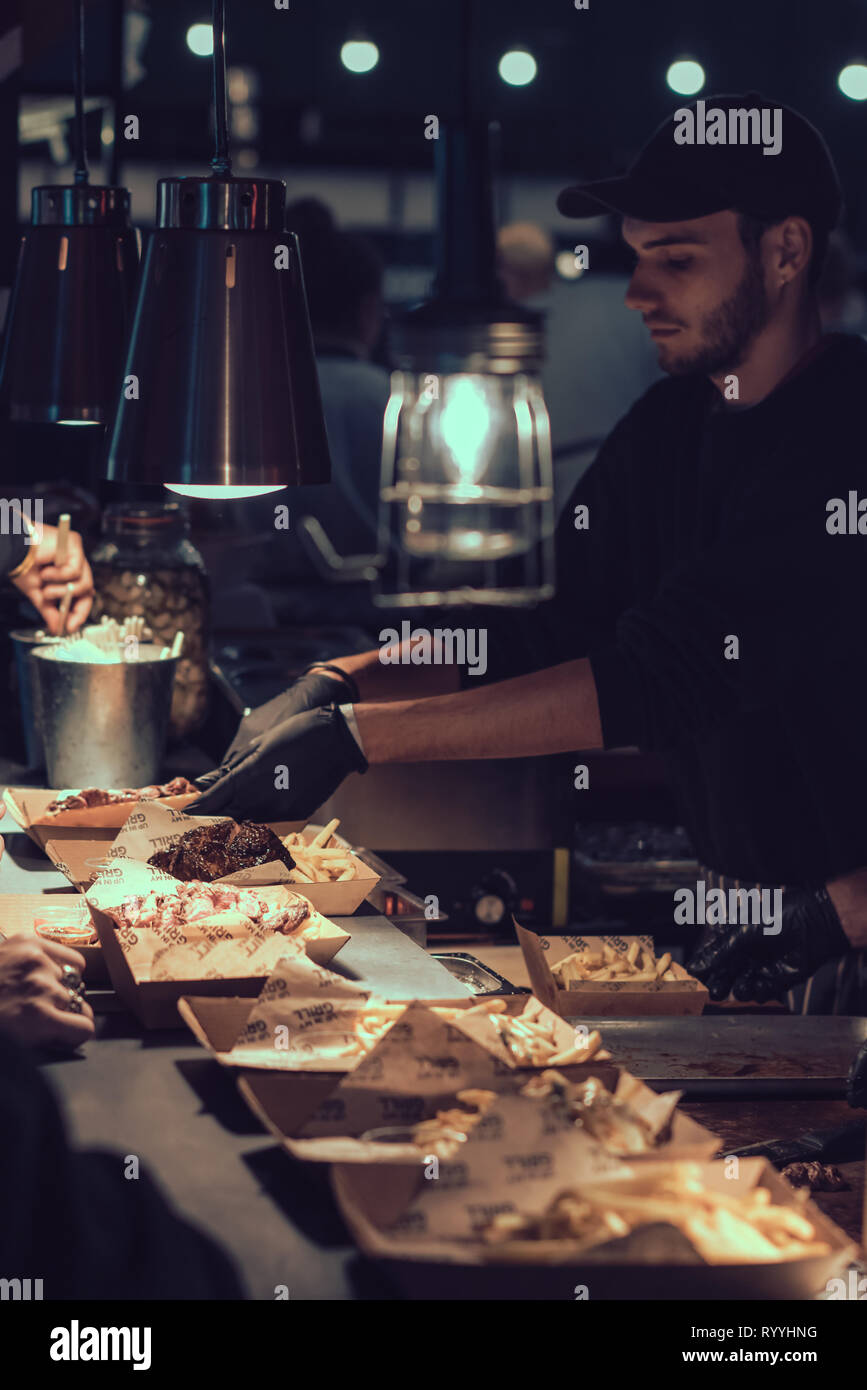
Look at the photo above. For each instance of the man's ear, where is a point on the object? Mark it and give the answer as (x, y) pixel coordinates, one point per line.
(792, 248)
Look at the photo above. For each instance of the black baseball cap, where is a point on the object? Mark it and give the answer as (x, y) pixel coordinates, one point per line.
(673, 182)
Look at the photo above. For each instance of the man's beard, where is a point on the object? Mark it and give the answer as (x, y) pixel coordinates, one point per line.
(728, 331)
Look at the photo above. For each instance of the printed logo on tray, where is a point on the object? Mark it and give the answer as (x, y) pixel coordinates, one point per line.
(453, 1176)
(410, 1223)
(255, 1029)
(482, 1213)
(316, 1014)
(126, 936)
(173, 936)
(135, 820)
(401, 1032)
(274, 985)
(436, 1066)
(324, 979)
(116, 852)
(527, 1167)
(402, 1109)
(490, 1127)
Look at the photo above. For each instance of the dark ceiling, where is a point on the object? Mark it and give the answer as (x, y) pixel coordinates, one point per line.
(599, 89)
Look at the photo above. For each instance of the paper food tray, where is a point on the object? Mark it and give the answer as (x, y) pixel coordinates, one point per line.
(606, 998)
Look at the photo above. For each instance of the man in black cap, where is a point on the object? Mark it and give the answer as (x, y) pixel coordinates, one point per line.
(707, 566)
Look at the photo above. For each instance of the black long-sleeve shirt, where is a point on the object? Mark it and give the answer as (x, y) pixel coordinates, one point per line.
(708, 523)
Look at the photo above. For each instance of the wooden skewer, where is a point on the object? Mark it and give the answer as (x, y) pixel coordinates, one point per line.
(65, 606)
(62, 546)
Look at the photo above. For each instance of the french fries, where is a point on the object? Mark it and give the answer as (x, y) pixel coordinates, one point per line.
(443, 1135)
(528, 1037)
(635, 966)
(319, 861)
(723, 1229)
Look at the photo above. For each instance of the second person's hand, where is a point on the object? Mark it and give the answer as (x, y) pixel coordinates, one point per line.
(286, 773)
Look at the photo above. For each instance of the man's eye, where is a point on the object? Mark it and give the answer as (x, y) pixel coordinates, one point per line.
(684, 264)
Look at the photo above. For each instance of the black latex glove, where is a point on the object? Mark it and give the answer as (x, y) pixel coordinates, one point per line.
(741, 960)
(318, 751)
(311, 690)
(856, 1085)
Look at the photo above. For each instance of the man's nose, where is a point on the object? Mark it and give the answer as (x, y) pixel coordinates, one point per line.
(640, 294)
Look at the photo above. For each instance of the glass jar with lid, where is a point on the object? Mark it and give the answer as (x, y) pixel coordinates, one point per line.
(145, 564)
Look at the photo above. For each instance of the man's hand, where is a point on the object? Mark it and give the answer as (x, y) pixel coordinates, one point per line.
(285, 773)
(34, 997)
(749, 963)
(45, 583)
(314, 688)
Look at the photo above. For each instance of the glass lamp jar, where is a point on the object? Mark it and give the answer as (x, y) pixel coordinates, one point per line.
(145, 565)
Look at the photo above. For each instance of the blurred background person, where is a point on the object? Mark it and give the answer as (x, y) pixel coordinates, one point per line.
(842, 305)
(343, 277)
(598, 357)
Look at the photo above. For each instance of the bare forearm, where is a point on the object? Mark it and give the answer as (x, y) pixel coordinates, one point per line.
(397, 681)
(552, 711)
(849, 896)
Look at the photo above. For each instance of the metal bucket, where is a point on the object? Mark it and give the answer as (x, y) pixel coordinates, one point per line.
(24, 641)
(103, 725)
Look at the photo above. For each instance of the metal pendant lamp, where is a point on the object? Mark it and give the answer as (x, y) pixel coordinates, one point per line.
(70, 306)
(220, 394)
(467, 488)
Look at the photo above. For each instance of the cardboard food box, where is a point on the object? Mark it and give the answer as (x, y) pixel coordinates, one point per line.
(27, 806)
(606, 998)
(21, 912)
(151, 967)
(151, 826)
(415, 1069)
(427, 1231)
(306, 1017)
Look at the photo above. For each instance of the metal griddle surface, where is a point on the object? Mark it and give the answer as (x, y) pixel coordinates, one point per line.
(726, 1056)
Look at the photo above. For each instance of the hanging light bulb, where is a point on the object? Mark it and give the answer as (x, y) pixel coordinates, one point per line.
(467, 473)
(467, 496)
(220, 394)
(70, 306)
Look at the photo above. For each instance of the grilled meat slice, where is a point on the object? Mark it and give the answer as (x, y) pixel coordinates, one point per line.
(256, 844)
(208, 852)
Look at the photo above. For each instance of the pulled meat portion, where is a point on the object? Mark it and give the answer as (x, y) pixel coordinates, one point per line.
(98, 796)
(196, 902)
(215, 851)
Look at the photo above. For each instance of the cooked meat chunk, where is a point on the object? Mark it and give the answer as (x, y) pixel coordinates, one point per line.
(208, 852)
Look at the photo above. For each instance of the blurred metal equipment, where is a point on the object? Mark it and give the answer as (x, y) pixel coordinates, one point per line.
(220, 395)
(70, 306)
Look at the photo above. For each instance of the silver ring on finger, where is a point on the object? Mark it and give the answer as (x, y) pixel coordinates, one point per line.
(72, 978)
(74, 1004)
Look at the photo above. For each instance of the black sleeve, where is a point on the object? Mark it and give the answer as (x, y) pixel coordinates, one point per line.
(12, 551)
(773, 578)
(75, 1221)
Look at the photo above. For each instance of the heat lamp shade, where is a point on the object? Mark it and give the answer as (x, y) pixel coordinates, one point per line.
(70, 309)
(220, 386)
